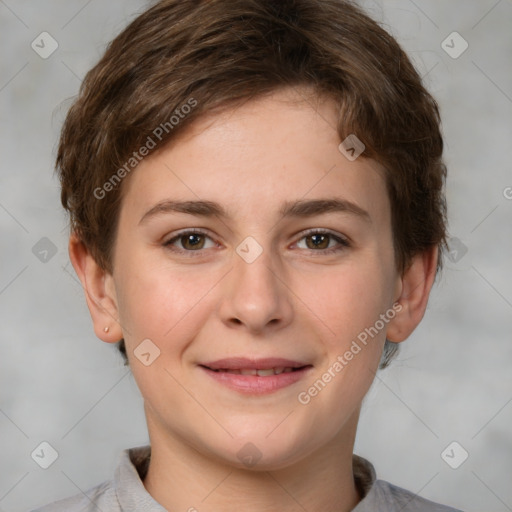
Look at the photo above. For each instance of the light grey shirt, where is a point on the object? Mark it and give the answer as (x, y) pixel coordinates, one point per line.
(126, 492)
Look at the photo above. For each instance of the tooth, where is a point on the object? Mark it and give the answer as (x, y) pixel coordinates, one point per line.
(262, 373)
(265, 373)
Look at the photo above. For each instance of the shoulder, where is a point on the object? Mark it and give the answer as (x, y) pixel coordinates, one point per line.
(381, 496)
(102, 497)
(124, 492)
(386, 497)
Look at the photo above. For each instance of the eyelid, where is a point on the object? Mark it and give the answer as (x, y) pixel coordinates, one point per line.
(186, 231)
(168, 243)
(342, 240)
(326, 231)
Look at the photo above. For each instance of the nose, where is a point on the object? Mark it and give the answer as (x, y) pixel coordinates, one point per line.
(255, 296)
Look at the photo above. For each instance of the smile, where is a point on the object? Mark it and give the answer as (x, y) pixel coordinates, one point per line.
(256, 377)
(259, 372)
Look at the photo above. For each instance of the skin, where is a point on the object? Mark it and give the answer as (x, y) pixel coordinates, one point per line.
(295, 301)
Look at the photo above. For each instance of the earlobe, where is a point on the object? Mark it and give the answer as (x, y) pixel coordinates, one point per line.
(99, 291)
(416, 283)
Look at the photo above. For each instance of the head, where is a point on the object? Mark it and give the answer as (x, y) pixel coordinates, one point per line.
(244, 108)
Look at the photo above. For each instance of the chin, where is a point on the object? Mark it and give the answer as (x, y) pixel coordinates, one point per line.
(260, 453)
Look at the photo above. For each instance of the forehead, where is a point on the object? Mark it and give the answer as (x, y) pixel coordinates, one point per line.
(271, 150)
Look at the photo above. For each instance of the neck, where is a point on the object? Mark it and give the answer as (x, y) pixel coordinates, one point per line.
(179, 477)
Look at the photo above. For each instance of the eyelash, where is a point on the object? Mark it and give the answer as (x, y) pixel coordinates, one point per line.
(343, 243)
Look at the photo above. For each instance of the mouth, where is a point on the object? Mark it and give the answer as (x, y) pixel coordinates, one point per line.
(259, 376)
(262, 367)
(261, 372)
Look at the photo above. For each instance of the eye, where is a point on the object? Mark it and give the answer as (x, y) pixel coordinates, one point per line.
(190, 241)
(323, 241)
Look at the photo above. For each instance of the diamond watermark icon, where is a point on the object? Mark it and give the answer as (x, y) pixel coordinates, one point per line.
(146, 352)
(454, 455)
(44, 45)
(249, 455)
(351, 147)
(249, 249)
(456, 250)
(454, 45)
(44, 250)
(45, 455)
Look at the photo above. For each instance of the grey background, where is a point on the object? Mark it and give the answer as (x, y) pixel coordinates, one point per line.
(452, 380)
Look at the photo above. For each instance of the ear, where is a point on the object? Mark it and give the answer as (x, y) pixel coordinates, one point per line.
(416, 283)
(99, 291)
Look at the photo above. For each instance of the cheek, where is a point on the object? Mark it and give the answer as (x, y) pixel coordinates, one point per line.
(346, 299)
(157, 301)
(346, 305)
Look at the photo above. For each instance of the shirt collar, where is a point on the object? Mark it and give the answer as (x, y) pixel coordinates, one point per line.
(134, 462)
(130, 491)
(364, 475)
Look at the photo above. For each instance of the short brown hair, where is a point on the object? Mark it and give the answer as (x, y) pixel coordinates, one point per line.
(221, 53)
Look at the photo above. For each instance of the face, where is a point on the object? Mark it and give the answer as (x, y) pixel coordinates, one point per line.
(252, 254)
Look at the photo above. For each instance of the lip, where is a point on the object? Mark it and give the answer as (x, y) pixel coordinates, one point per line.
(255, 384)
(239, 363)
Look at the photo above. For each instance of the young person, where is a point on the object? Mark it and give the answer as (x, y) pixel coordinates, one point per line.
(256, 199)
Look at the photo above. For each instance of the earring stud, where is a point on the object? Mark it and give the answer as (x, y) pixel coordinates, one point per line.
(106, 329)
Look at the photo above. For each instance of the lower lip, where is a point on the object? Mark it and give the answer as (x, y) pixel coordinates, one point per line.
(254, 384)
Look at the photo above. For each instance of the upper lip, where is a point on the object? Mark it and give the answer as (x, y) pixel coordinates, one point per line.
(242, 363)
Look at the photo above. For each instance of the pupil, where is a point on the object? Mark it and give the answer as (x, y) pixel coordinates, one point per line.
(192, 241)
(319, 240)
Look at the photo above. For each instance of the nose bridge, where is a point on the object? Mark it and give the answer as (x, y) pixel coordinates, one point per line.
(256, 296)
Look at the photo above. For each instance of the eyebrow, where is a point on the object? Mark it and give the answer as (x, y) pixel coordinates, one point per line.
(299, 208)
